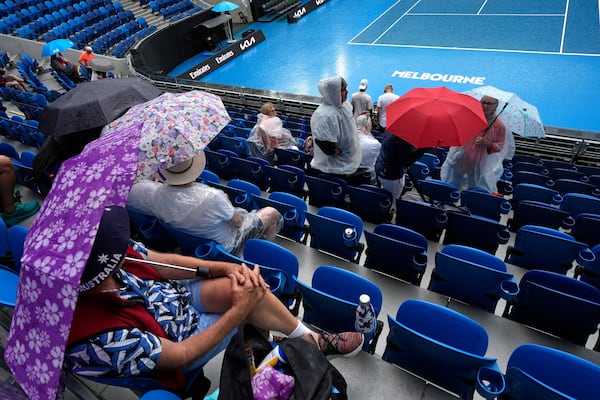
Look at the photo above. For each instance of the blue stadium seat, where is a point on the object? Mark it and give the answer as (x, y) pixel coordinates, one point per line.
(471, 230)
(252, 169)
(325, 190)
(330, 302)
(530, 191)
(421, 217)
(444, 347)
(336, 231)
(557, 304)
(396, 251)
(269, 254)
(293, 210)
(370, 202)
(529, 212)
(539, 372)
(587, 229)
(484, 204)
(548, 249)
(286, 178)
(578, 203)
(437, 190)
(472, 276)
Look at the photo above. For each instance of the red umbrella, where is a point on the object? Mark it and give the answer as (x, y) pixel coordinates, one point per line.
(435, 117)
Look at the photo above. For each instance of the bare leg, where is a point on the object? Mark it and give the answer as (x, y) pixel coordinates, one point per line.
(269, 313)
(7, 185)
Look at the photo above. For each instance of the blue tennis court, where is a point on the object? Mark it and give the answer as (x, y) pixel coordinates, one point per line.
(546, 51)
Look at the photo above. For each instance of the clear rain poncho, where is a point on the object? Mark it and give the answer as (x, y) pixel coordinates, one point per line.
(473, 166)
(332, 122)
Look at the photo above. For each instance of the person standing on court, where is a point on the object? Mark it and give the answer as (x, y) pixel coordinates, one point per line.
(478, 163)
(361, 101)
(383, 101)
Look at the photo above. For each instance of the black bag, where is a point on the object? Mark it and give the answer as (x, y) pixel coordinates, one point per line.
(314, 374)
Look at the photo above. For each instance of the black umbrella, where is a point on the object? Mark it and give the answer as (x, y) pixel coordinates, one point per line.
(94, 104)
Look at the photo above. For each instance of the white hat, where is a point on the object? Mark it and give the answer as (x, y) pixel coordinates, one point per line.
(184, 172)
(87, 48)
(363, 84)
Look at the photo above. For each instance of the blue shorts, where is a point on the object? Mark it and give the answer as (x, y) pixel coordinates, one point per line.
(205, 319)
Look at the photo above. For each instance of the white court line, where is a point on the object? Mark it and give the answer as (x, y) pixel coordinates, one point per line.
(377, 19)
(482, 6)
(487, 15)
(562, 36)
(398, 20)
(477, 49)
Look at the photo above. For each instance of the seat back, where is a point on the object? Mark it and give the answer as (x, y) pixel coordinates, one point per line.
(578, 203)
(208, 176)
(557, 304)
(16, 241)
(10, 283)
(444, 347)
(472, 276)
(219, 163)
(421, 217)
(397, 251)
(336, 231)
(538, 247)
(529, 212)
(188, 241)
(238, 195)
(475, 231)
(539, 372)
(587, 229)
(484, 204)
(148, 226)
(530, 167)
(564, 186)
(297, 158)
(251, 170)
(326, 190)
(530, 191)
(532, 177)
(371, 203)
(269, 254)
(437, 190)
(286, 178)
(330, 302)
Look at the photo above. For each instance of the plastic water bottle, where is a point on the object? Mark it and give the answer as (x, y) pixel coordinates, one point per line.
(275, 359)
(365, 315)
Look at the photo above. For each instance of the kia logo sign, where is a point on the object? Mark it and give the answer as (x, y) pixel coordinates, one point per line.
(247, 43)
(300, 12)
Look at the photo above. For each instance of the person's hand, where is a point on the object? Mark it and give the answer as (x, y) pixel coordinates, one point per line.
(247, 295)
(482, 140)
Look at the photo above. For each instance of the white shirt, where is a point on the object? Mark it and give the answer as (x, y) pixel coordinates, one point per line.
(382, 102)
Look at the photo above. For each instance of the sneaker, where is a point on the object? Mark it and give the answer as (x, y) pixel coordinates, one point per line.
(22, 211)
(345, 344)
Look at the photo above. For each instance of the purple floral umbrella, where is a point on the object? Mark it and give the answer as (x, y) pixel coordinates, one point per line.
(60, 239)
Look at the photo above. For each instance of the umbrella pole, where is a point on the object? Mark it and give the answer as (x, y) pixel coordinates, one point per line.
(200, 272)
(415, 183)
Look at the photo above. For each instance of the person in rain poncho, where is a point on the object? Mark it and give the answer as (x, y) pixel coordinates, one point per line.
(337, 149)
(269, 133)
(369, 146)
(192, 206)
(478, 163)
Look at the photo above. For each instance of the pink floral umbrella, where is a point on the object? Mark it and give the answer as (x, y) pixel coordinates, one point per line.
(60, 239)
(187, 122)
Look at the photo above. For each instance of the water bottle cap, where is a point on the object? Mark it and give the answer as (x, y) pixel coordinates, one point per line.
(364, 298)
